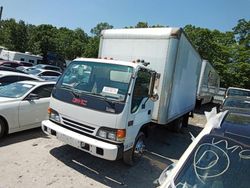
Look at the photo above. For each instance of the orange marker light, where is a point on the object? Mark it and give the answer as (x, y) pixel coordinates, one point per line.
(49, 110)
(121, 134)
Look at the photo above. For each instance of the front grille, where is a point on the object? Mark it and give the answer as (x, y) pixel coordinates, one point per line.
(79, 127)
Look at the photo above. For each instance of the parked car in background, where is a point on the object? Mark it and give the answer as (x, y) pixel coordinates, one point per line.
(26, 64)
(4, 68)
(46, 67)
(8, 77)
(45, 74)
(11, 64)
(236, 104)
(234, 91)
(217, 157)
(23, 105)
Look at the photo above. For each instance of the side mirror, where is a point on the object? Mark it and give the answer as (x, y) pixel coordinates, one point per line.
(152, 95)
(165, 173)
(32, 97)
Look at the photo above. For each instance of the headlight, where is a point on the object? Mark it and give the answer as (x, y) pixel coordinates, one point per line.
(53, 115)
(112, 134)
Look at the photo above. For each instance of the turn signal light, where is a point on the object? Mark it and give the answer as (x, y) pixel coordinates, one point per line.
(121, 134)
(49, 110)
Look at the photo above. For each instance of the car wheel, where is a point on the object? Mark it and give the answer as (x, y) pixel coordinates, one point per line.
(2, 128)
(134, 155)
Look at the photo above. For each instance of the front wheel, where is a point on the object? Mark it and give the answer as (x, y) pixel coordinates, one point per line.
(133, 156)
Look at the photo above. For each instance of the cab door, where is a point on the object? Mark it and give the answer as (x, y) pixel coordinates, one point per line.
(140, 107)
(34, 110)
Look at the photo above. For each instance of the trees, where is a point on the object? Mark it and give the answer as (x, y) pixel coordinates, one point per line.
(13, 35)
(96, 31)
(228, 52)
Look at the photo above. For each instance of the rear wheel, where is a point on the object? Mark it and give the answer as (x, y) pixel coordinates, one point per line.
(185, 120)
(177, 124)
(2, 128)
(133, 156)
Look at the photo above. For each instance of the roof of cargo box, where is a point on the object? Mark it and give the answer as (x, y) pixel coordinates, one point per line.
(160, 33)
(110, 61)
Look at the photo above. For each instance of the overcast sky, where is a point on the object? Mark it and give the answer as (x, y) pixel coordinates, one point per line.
(86, 14)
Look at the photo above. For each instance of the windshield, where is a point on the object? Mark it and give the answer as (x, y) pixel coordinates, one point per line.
(15, 90)
(105, 80)
(237, 103)
(34, 71)
(238, 92)
(216, 162)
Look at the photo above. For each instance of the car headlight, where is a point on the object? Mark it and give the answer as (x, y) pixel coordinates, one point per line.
(53, 115)
(112, 134)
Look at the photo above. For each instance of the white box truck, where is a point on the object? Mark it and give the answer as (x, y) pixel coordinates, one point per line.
(19, 56)
(209, 84)
(104, 106)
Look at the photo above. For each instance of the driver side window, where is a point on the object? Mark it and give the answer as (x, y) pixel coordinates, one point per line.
(141, 89)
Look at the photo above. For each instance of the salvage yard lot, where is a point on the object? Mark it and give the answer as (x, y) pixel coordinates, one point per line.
(33, 159)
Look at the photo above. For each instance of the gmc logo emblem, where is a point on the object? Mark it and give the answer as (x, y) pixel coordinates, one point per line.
(79, 101)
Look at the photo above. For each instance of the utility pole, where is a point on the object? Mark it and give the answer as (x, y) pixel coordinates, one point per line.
(1, 10)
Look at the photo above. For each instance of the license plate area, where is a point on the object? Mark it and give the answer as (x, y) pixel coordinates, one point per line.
(68, 140)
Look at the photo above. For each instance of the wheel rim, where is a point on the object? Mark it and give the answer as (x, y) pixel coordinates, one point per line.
(139, 148)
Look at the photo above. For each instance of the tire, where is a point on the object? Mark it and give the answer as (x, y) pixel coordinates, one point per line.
(212, 100)
(177, 125)
(185, 120)
(198, 104)
(133, 156)
(2, 128)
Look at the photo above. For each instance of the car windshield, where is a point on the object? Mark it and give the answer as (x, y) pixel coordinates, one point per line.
(216, 162)
(105, 80)
(34, 71)
(15, 90)
(236, 103)
(39, 66)
(238, 92)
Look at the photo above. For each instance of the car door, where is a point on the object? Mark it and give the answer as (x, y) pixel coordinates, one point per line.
(141, 106)
(32, 112)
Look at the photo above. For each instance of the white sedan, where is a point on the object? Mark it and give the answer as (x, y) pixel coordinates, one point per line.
(45, 74)
(23, 105)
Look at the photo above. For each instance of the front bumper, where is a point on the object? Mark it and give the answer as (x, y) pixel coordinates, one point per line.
(93, 146)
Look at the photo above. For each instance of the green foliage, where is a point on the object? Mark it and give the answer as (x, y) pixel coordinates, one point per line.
(144, 25)
(228, 52)
(96, 31)
(13, 35)
(92, 47)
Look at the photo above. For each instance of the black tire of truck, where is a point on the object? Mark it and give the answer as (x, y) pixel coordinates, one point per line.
(133, 156)
(177, 125)
(198, 104)
(2, 128)
(185, 120)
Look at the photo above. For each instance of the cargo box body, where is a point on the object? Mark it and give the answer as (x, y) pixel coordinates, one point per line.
(209, 83)
(170, 53)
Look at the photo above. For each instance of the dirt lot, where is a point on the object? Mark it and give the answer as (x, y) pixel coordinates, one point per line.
(33, 159)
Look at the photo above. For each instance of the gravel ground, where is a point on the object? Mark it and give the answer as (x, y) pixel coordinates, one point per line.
(33, 159)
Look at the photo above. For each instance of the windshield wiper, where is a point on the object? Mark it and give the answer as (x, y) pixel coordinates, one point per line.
(110, 102)
(69, 87)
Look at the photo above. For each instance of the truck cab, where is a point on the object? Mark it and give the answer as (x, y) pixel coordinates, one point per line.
(102, 107)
